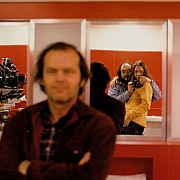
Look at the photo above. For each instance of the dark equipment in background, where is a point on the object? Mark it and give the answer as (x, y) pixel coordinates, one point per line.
(11, 80)
(11, 87)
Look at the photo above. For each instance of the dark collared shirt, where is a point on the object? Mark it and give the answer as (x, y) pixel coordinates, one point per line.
(50, 134)
(88, 130)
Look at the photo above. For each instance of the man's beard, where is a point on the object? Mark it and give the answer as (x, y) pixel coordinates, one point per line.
(125, 81)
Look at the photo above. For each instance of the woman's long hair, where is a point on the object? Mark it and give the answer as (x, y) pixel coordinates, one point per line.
(144, 66)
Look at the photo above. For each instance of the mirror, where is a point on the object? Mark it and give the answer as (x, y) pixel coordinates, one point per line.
(114, 42)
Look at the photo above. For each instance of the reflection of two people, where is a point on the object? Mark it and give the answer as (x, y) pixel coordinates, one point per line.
(137, 98)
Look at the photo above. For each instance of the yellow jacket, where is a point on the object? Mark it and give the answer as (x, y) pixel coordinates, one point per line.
(139, 104)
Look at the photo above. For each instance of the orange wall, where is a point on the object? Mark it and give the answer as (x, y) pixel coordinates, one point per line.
(100, 10)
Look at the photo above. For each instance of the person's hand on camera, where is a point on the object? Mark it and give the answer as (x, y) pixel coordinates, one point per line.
(144, 79)
(130, 87)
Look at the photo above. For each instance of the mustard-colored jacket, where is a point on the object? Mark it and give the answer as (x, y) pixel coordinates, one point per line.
(139, 104)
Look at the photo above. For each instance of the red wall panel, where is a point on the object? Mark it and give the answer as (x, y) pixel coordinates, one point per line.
(131, 166)
(143, 10)
(19, 55)
(106, 57)
(152, 59)
(150, 158)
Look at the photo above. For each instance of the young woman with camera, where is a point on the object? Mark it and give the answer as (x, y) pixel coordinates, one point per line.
(139, 103)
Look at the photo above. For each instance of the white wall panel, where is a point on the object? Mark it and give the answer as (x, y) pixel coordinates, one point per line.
(51, 31)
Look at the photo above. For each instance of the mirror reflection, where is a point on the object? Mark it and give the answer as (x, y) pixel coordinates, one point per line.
(115, 42)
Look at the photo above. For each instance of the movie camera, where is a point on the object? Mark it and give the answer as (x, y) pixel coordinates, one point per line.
(11, 80)
(137, 84)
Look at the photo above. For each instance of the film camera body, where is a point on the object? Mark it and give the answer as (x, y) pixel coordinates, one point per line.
(137, 84)
(11, 80)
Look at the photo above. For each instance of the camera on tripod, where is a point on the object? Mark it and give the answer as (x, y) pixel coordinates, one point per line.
(11, 80)
(10, 76)
(137, 84)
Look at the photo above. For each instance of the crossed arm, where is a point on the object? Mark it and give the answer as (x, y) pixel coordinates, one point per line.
(20, 162)
(23, 166)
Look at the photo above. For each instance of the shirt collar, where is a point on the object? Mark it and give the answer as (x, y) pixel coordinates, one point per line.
(45, 113)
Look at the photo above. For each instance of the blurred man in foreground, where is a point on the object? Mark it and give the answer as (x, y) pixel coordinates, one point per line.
(60, 138)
